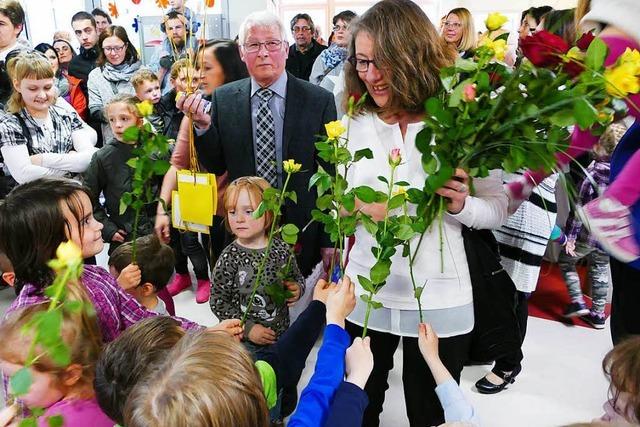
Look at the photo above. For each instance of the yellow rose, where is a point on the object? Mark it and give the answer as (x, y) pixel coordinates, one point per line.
(334, 129)
(68, 253)
(631, 57)
(495, 21)
(499, 47)
(145, 108)
(290, 166)
(622, 80)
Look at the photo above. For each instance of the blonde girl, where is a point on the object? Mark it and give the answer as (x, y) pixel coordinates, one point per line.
(39, 137)
(61, 390)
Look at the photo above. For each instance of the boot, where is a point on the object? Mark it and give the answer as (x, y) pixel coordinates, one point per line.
(204, 291)
(179, 283)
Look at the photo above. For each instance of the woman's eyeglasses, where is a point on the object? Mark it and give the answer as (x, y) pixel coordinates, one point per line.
(361, 65)
(455, 25)
(337, 28)
(113, 49)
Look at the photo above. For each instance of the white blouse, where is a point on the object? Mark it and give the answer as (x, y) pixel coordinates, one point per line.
(447, 283)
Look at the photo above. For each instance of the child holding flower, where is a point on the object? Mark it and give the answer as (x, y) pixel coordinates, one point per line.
(235, 272)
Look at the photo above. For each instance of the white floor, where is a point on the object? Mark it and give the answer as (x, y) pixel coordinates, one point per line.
(561, 381)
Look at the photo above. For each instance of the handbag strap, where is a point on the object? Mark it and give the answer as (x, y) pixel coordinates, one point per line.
(25, 132)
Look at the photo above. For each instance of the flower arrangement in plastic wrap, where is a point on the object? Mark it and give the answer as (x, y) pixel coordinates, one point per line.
(492, 116)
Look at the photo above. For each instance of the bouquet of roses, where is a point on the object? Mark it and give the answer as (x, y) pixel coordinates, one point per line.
(488, 115)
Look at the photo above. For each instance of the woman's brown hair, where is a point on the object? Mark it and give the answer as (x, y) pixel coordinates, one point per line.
(131, 54)
(407, 48)
(209, 379)
(622, 367)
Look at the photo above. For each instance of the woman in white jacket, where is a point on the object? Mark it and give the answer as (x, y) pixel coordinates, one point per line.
(396, 56)
(39, 137)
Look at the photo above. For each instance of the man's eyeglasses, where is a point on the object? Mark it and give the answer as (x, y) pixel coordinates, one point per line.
(113, 49)
(361, 65)
(337, 28)
(297, 29)
(271, 46)
(455, 25)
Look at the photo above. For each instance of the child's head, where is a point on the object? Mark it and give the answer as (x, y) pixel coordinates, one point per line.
(122, 113)
(128, 359)
(52, 381)
(609, 140)
(622, 367)
(193, 387)
(181, 72)
(155, 260)
(147, 86)
(241, 198)
(33, 86)
(39, 215)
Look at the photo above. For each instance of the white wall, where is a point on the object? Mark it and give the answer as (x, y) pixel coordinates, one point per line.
(239, 9)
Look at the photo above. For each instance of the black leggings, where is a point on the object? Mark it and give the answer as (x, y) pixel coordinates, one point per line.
(423, 406)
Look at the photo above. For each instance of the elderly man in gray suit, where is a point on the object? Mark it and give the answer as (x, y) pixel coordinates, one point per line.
(257, 122)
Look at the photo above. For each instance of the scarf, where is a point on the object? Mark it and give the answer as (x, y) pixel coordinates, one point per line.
(333, 56)
(119, 73)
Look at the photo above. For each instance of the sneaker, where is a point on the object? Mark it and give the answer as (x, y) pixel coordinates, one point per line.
(576, 309)
(204, 291)
(595, 320)
(179, 283)
(609, 222)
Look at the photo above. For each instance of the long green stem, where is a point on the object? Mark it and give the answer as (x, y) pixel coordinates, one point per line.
(134, 236)
(366, 316)
(413, 282)
(267, 251)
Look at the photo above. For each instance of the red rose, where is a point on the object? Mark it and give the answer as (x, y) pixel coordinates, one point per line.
(356, 97)
(585, 40)
(573, 68)
(543, 49)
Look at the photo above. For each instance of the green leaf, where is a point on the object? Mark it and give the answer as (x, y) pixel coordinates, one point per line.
(289, 233)
(483, 80)
(405, 232)
(563, 118)
(29, 422)
(402, 184)
(415, 196)
(61, 354)
(324, 202)
(291, 195)
(365, 297)
(456, 96)
(436, 181)
(50, 323)
(436, 109)
(369, 224)
(383, 179)
(396, 201)
(596, 54)
(380, 271)
(365, 194)
(423, 140)
(364, 153)
(20, 382)
(321, 180)
(270, 194)
(132, 162)
(131, 134)
(418, 292)
(430, 164)
(365, 283)
(586, 115)
(73, 306)
(376, 305)
(349, 201)
(55, 421)
(160, 167)
(466, 65)
(261, 209)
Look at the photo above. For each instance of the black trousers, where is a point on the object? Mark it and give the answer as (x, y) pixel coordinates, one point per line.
(625, 315)
(511, 361)
(423, 406)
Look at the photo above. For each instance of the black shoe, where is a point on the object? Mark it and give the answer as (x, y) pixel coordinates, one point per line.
(576, 309)
(485, 386)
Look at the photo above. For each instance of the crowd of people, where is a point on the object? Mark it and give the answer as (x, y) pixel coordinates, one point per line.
(245, 106)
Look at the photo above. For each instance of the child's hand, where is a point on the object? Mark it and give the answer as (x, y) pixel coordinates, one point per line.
(119, 236)
(129, 277)
(262, 335)
(427, 342)
(570, 247)
(294, 288)
(341, 302)
(321, 290)
(359, 362)
(8, 415)
(231, 326)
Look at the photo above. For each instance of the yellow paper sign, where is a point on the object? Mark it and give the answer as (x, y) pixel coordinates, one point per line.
(197, 197)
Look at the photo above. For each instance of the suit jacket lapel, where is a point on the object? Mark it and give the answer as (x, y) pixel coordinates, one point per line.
(244, 127)
(294, 105)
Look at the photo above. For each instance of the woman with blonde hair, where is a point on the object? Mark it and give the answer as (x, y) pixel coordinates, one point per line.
(39, 137)
(459, 32)
(396, 56)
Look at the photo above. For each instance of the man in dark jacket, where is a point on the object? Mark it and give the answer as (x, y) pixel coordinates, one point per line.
(84, 27)
(304, 52)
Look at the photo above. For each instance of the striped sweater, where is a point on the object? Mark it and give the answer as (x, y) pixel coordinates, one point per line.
(523, 239)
